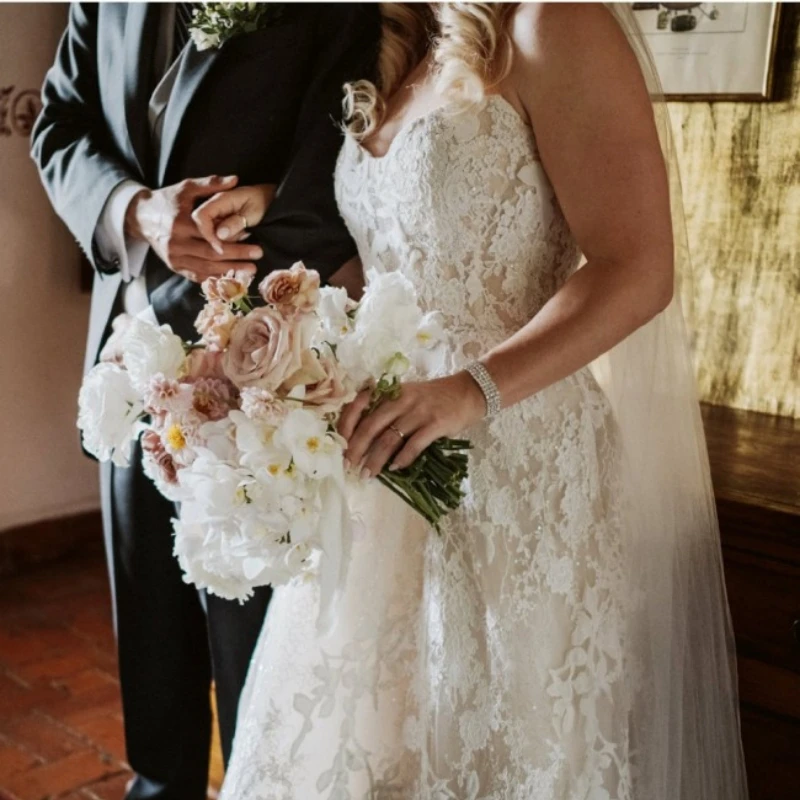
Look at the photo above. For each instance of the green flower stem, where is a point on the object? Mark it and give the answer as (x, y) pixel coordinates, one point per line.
(432, 484)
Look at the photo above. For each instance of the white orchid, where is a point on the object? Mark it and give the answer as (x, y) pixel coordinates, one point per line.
(334, 320)
(315, 451)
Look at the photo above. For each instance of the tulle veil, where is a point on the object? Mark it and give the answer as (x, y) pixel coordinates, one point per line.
(685, 724)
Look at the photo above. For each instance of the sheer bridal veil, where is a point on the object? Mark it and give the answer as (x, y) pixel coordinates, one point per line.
(685, 723)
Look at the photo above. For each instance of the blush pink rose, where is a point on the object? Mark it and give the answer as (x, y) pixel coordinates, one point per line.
(265, 348)
(333, 391)
(293, 291)
(203, 363)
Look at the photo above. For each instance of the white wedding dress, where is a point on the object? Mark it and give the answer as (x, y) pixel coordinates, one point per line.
(489, 662)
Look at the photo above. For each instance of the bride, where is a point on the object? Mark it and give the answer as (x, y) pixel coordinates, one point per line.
(566, 636)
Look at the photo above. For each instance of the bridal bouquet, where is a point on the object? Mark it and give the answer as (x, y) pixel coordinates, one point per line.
(240, 426)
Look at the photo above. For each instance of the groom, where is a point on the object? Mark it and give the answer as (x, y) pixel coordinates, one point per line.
(137, 126)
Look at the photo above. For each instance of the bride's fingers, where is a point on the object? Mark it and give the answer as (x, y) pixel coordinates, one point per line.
(387, 444)
(206, 217)
(413, 447)
(369, 428)
(231, 227)
(352, 414)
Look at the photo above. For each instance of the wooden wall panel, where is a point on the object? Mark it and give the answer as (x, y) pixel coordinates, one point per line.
(740, 165)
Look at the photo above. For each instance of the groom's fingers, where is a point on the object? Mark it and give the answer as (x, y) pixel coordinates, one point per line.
(193, 188)
(229, 251)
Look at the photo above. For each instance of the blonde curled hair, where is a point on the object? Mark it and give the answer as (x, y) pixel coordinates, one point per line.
(471, 51)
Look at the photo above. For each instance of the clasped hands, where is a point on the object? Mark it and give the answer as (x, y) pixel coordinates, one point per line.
(198, 227)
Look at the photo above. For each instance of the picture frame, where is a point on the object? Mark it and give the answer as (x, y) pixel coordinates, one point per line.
(713, 51)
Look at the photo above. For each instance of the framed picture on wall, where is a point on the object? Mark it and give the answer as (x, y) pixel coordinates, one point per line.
(712, 51)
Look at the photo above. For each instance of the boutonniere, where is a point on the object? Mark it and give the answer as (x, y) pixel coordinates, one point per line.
(214, 23)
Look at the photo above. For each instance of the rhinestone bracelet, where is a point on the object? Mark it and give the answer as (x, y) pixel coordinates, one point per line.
(487, 385)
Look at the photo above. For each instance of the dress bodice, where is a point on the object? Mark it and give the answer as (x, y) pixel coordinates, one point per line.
(461, 204)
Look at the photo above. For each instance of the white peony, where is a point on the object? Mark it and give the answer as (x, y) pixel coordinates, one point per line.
(387, 323)
(150, 350)
(219, 490)
(109, 408)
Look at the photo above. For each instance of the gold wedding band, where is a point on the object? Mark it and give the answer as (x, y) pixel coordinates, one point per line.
(400, 433)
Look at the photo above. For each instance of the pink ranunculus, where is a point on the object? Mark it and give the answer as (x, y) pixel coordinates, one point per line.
(155, 451)
(215, 323)
(227, 288)
(293, 291)
(213, 397)
(334, 391)
(166, 394)
(264, 350)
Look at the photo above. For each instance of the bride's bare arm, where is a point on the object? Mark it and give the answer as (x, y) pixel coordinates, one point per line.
(581, 87)
(578, 82)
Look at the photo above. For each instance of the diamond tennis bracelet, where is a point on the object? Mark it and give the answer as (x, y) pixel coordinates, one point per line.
(487, 385)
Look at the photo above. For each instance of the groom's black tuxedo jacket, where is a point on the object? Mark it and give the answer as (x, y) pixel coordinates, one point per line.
(263, 107)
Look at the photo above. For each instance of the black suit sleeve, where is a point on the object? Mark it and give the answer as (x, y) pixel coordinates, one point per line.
(70, 141)
(303, 221)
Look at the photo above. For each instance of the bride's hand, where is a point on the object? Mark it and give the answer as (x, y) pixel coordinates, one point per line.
(226, 216)
(423, 413)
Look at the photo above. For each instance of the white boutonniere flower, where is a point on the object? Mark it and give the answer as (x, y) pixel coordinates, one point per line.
(214, 23)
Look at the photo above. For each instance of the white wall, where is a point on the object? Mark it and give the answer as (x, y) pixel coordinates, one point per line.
(43, 315)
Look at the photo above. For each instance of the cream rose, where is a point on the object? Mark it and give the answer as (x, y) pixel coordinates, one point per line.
(227, 288)
(294, 290)
(264, 350)
(215, 324)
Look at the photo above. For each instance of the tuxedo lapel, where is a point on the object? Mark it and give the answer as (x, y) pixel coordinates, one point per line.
(193, 67)
(141, 31)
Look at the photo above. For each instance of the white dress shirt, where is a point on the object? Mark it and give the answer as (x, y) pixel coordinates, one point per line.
(110, 238)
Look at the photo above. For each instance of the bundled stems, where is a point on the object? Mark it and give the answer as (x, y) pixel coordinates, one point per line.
(432, 484)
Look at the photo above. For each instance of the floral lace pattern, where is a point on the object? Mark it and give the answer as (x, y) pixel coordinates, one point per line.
(488, 663)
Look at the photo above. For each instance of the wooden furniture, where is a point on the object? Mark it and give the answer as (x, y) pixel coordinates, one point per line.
(755, 466)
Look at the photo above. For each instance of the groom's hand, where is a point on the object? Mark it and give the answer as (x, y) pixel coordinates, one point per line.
(163, 219)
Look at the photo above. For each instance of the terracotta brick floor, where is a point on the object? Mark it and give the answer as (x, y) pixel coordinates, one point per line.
(60, 716)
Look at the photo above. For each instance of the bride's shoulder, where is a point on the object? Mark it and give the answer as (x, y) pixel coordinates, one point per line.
(538, 28)
(578, 45)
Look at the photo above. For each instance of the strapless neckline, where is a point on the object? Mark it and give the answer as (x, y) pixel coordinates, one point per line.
(431, 116)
